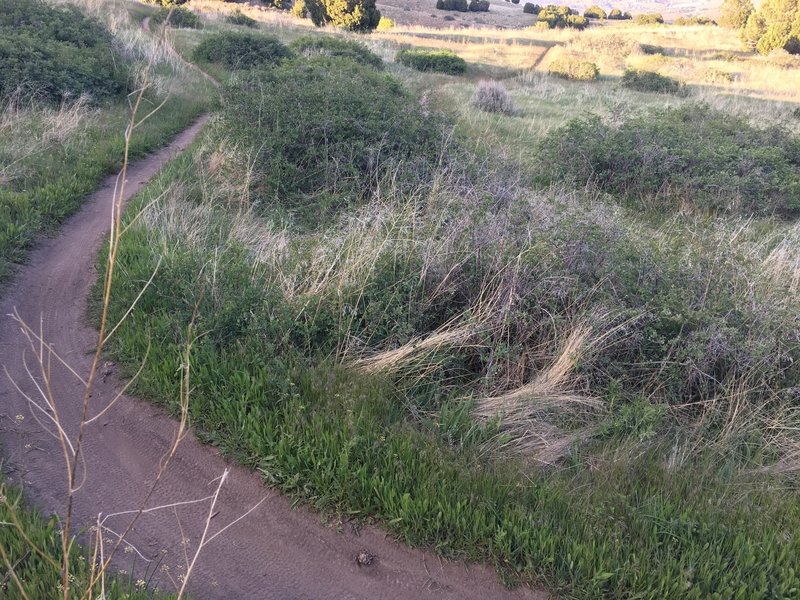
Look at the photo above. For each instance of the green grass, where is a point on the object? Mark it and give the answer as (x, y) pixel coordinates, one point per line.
(54, 181)
(40, 579)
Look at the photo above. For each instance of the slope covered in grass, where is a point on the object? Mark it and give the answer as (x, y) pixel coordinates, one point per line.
(590, 394)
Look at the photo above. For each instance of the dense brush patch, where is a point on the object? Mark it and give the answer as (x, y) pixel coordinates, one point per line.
(323, 131)
(56, 52)
(689, 157)
(321, 45)
(241, 50)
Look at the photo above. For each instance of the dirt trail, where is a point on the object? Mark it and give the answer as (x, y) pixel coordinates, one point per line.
(277, 552)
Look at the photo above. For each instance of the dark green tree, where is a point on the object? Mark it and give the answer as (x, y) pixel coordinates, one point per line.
(734, 13)
(355, 15)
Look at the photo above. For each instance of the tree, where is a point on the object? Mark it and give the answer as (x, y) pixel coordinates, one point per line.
(355, 15)
(595, 12)
(734, 13)
(775, 26)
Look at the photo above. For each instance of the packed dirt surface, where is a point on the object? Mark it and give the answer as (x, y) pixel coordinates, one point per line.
(275, 552)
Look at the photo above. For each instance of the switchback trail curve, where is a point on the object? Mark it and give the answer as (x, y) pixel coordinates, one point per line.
(276, 552)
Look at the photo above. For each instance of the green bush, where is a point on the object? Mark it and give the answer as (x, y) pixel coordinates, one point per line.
(319, 45)
(238, 50)
(239, 18)
(572, 68)
(692, 154)
(438, 61)
(299, 9)
(385, 24)
(56, 52)
(649, 19)
(531, 8)
(686, 21)
(559, 17)
(353, 15)
(457, 5)
(650, 81)
(595, 12)
(324, 130)
(617, 15)
(179, 18)
(479, 6)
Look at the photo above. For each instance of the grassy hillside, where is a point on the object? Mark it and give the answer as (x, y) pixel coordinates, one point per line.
(559, 335)
(526, 296)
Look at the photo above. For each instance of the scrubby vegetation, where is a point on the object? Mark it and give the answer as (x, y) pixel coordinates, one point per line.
(54, 154)
(649, 19)
(318, 45)
(566, 346)
(438, 61)
(241, 50)
(493, 97)
(572, 68)
(688, 21)
(239, 18)
(457, 5)
(677, 158)
(55, 52)
(531, 8)
(650, 81)
(177, 17)
(595, 12)
(617, 15)
(371, 127)
(559, 17)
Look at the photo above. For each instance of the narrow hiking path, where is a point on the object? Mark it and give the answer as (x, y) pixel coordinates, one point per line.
(276, 552)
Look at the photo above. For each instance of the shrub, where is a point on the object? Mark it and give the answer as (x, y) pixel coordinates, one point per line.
(686, 21)
(531, 9)
(561, 17)
(649, 19)
(299, 9)
(572, 68)
(439, 61)
(595, 12)
(712, 75)
(479, 6)
(796, 113)
(617, 15)
(650, 81)
(324, 130)
(385, 24)
(316, 45)
(514, 1)
(55, 52)
(692, 154)
(180, 18)
(239, 18)
(354, 15)
(238, 50)
(458, 5)
(492, 96)
(734, 13)
(651, 49)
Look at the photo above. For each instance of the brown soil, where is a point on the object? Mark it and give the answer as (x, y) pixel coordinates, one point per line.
(276, 552)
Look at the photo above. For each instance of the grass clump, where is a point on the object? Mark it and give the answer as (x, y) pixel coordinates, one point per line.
(179, 18)
(34, 577)
(238, 50)
(650, 81)
(325, 45)
(690, 156)
(493, 97)
(575, 69)
(239, 18)
(371, 125)
(54, 53)
(434, 61)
